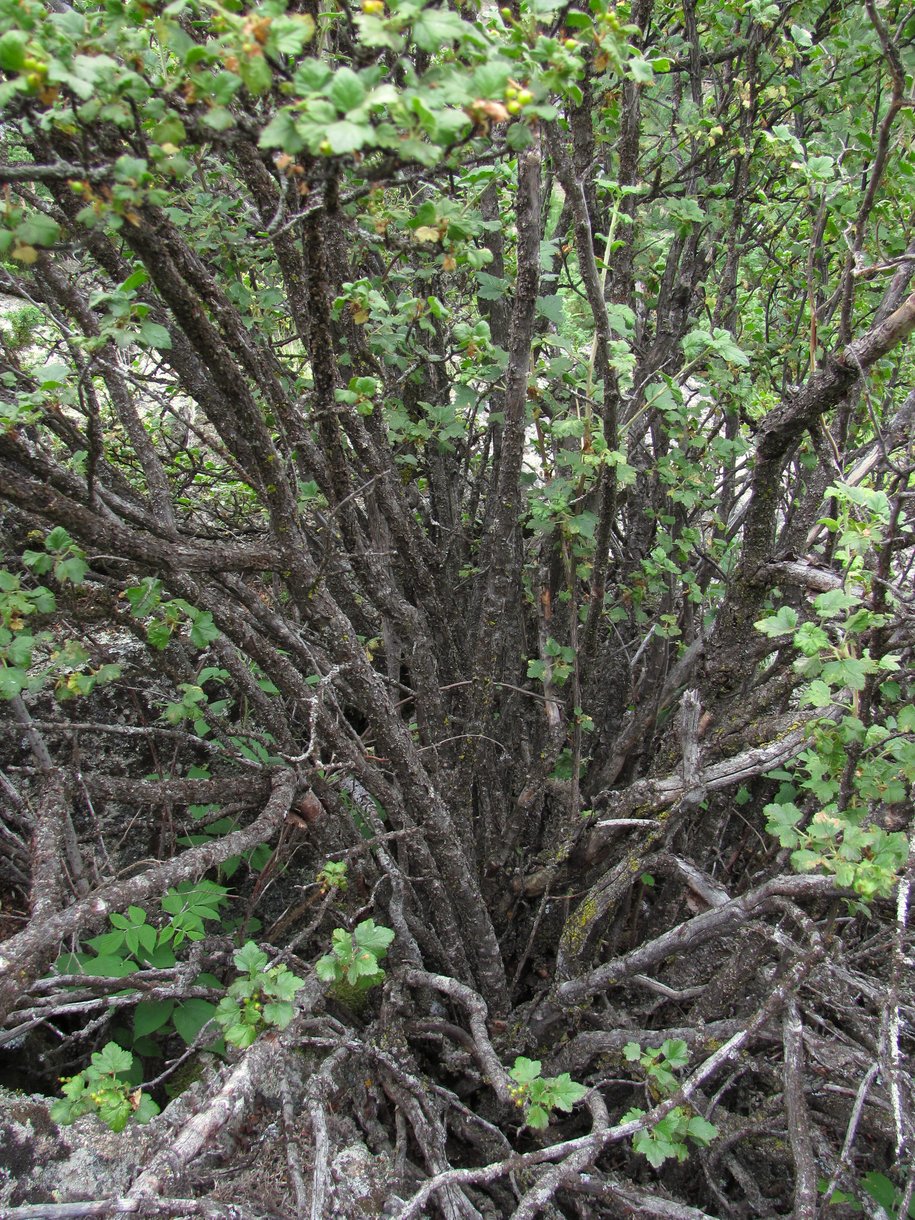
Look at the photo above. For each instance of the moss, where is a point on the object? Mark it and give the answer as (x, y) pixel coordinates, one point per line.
(579, 925)
(189, 1073)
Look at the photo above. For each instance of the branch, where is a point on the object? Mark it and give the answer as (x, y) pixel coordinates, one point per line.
(577, 1054)
(540, 1195)
(28, 954)
(805, 1177)
(638, 1201)
(778, 432)
(477, 1013)
(128, 1206)
(691, 933)
(233, 788)
(650, 795)
(805, 574)
(60, 171)
(48, 845)
(112, 537)
(690, 711)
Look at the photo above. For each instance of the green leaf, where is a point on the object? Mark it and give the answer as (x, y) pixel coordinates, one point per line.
(146, 937)
(806, 861)
(640, 70)
(346, 137)
(150, 1015)
(163, 958)
(112, 1059)
(64, 1112)
(491, 287)
(686, 209)
(674, 1050)
(537, 1118)
(565, 1092)
(346, 90)
(38, 230)
(328, 969)
(288, 35)
(364, 964)
(13, 51)
(44, 601)
(850, 672)
(155, 336)
(817, 694)
(282, 132)
(834, 602)
(259, 857)
(801, 36)
(518, 137)
(285, 985)
(107, 942)
(490, 79)
(220, 119)
(375, 940)
(146, 1110)
(249, 959)
(190, 1016)
(882, 1191)
(203, 630)
(811, 639)
(58, 539)
(241, 1035)
(525, 1070)
(377, 32)
(159, 634)
(109, 967)
(72, 571)
(278, 1013)
(435, 28)
(821, 168)
(12, 682)
(782, 623)
(781, 822)
(550, 308)
(115, 1112)
(700, 1131)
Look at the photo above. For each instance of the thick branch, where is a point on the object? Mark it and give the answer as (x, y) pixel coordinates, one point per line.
(692, 933)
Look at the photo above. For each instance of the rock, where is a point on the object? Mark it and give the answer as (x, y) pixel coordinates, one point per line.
(41, 1162)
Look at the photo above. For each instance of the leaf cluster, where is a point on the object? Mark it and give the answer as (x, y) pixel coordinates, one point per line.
(261, 996)
(355, 957)
(101, 1089)
(539, 1095)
